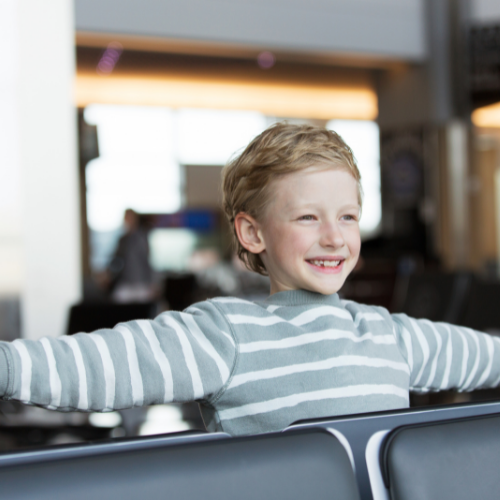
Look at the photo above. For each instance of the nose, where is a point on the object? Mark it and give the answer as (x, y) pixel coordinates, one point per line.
(331, 236)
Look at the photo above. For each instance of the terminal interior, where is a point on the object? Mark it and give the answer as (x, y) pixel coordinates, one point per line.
(117, 119)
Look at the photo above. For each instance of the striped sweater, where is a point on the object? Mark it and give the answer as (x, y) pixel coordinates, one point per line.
(253, 366)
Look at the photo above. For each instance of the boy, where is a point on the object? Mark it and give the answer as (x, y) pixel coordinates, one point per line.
(293, 198)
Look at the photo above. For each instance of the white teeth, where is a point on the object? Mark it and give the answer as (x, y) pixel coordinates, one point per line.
(326, 263)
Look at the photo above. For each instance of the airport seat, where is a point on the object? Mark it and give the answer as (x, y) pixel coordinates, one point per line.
(294, 465)
(453, 460)
(436, 296)
(363, 434)
(482, 311)
(180, 290)
(88, 317)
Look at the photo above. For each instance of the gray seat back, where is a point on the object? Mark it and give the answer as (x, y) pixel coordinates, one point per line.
(456, 460)
(364, 433)
(297, 465)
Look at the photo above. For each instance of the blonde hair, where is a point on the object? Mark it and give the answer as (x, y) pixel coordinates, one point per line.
(281, 149)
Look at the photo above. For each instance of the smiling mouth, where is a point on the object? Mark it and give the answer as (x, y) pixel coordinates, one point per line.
(326, 263)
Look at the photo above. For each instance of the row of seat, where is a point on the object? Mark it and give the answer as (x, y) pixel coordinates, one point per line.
(460, 298)
(446, 452)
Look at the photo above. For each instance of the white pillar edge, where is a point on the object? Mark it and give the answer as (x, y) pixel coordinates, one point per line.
(48, 165)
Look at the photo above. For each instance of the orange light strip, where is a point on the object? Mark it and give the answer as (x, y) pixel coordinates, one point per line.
(301, 101)
(488, 116)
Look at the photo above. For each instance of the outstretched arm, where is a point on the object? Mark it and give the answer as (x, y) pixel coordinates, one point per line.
(443, 356)
(176, 357)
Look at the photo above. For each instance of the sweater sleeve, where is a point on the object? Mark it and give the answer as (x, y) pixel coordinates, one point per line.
(177, 357)
(443, 356)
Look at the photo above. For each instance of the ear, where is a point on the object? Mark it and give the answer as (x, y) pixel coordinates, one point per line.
(249, 233)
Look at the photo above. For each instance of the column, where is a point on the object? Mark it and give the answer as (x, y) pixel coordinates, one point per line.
(39, 223)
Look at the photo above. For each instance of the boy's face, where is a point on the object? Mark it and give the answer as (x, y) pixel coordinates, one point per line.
(310, 231)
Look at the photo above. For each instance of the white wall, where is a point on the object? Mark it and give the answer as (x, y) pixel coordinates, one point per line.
(485, 11)
(39, 232)
(387, 28)
(10, 206)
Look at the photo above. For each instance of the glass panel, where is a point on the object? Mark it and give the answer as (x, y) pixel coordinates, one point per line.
(211, 137)
(363, 138)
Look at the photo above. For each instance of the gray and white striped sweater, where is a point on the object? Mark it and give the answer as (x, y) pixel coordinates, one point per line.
(254, 367)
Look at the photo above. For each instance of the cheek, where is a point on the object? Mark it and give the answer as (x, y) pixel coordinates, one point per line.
(287, 243)
(354, 243)
(297, 243)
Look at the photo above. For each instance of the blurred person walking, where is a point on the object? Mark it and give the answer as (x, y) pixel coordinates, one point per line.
(131, 278)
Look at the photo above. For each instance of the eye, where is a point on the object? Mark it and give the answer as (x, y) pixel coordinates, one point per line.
(349, 217)
(307, 217)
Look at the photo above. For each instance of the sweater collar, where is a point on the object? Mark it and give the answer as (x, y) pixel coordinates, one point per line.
(301, 297)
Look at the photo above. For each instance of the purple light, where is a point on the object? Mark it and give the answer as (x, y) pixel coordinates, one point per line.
(266, 60)
(109, 58)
